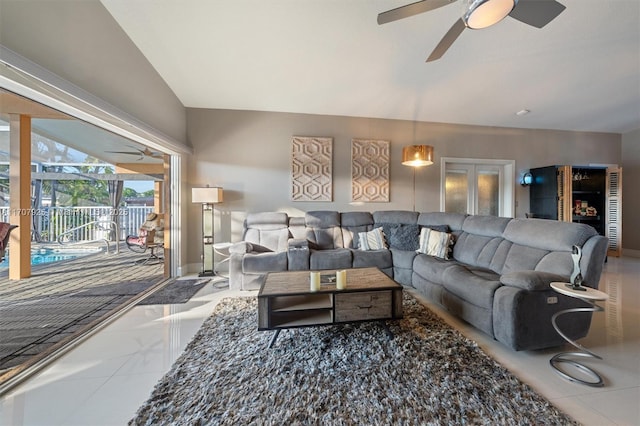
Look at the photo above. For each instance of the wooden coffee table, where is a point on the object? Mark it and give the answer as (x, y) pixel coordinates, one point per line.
(285, 300)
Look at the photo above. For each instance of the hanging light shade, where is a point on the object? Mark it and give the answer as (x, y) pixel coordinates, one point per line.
(484, 13)
(417, 155)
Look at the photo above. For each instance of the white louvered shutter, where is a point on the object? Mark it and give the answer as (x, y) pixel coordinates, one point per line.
(614, 211)
(564, 193)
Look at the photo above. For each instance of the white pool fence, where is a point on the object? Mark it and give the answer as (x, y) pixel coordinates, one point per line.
(50, 222)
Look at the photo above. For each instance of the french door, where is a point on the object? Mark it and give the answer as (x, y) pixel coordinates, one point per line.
(475, 186)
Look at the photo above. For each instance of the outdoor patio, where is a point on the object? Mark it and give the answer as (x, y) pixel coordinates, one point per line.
(63, 300)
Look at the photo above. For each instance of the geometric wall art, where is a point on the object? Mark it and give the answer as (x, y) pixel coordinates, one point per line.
(311, 169)
(370, 170)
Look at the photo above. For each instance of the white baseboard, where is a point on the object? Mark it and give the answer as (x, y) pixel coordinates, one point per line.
(630, 253)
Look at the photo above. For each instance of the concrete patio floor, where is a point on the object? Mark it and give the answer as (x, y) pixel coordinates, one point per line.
(61, 301)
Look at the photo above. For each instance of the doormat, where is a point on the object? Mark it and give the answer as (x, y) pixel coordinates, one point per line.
(179, 291)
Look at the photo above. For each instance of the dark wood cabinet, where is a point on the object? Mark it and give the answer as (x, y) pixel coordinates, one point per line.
(581, 194)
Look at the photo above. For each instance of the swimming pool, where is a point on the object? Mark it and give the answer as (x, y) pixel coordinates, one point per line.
(50, 255)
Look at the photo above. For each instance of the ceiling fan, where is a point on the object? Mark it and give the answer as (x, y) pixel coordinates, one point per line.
(142, 153)
(479, 14)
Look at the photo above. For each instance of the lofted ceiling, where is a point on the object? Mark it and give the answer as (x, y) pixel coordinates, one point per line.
(581, 72)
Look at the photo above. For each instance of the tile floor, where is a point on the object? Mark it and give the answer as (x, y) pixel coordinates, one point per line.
(105, 379)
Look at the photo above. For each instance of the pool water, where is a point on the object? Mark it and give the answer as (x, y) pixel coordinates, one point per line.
(51, 255)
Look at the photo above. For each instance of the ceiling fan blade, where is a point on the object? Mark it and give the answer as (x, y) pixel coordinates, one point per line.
(152, 154)
(411, 10)
(123, 152)
(537, 13)
(448, 39)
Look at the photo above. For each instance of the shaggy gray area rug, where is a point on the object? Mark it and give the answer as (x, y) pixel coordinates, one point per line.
(344, 375)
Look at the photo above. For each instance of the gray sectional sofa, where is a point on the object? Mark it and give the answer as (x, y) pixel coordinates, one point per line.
(497, 277)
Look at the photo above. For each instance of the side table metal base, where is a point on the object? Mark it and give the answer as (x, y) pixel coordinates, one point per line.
(565, 357)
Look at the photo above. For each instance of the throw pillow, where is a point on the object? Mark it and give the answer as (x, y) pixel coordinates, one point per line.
(372, 240)
(402, 236)
(441, 228)
(435, 243)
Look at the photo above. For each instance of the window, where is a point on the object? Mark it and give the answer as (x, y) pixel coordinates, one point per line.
(477, 186)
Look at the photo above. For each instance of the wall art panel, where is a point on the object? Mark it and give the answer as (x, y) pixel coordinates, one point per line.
(370, 170)
(311, 169)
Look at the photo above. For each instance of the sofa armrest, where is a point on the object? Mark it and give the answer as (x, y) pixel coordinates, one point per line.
(531, 280)
(298, 254)
(298, 244)
(244, 247)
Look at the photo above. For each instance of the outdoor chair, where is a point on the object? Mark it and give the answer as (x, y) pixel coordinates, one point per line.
(146, 243)
(5, 232)
(149, 239)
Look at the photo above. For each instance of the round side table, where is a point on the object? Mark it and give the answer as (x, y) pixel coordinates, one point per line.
(589, 296)
(222, 249)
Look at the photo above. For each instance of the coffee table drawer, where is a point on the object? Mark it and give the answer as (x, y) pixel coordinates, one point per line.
(361, 306)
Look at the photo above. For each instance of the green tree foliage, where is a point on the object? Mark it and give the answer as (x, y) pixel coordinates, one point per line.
(129, 193)
(83, 192)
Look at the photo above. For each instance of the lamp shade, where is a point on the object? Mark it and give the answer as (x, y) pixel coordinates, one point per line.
(484, 13)
(207, 195)
(417, 155)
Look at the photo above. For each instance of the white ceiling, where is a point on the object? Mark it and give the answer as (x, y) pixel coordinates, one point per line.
(581, 72)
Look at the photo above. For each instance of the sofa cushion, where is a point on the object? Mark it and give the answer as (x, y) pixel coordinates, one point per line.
(395, 216)
(439, 228)
(435, 243)
(489, 226)
(297, 228)
(340, 258)
(266, 220)
(401, 236)
(473, 285)
(476, 250)
(352, 223)
(550, 235)
(322, 219)
(264, 262)
(531, 280)
(431, 268)
(403, 258)
(378, 258)
(523, 258)
(268, 229)
(323, 229)
(453, 220)
(556, 263)
(372, 240)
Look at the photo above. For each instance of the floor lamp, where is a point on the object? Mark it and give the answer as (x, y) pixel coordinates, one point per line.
(417, 156)
(207, 197)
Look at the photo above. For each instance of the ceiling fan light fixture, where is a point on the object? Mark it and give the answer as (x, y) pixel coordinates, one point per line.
(484, 13)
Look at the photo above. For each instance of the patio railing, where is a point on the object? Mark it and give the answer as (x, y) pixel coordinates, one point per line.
(50, 222)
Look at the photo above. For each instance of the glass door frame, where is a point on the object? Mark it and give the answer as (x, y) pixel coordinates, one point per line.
(507, 181)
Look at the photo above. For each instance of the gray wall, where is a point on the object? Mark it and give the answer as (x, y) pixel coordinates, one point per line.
(248, 153)
(81, 42)
(631, 193)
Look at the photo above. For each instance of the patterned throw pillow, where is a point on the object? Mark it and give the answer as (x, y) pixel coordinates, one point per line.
(372, 240)
(435, 243)
(401, 236)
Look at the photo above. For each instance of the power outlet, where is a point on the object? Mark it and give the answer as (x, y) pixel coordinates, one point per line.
(552, 300)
